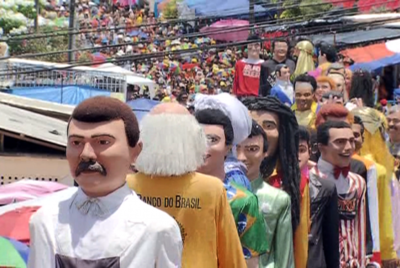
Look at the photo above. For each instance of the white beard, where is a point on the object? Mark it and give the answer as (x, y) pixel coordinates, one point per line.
(173, 145)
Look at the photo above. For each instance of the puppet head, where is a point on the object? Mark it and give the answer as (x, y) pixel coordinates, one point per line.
(174, 143)
(103, 136)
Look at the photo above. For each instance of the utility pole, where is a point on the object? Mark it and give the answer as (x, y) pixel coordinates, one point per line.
(71, 39)
(36, 21)
(251, 11)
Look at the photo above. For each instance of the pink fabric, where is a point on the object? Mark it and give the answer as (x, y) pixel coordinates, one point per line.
(27, 189)
(317, 72)
(395, 187)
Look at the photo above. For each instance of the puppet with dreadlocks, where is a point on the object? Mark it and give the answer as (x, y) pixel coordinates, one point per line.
(281, 166)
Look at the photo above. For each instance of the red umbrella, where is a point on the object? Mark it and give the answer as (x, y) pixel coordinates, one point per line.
(15, 223)
(219, 27)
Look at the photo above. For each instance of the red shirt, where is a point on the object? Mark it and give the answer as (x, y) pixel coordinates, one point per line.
(247, 77)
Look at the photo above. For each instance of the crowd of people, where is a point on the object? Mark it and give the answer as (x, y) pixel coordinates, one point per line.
(287, 161)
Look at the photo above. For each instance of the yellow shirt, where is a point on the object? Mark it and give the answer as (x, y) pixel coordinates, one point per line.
(306, 118)
(200, 206)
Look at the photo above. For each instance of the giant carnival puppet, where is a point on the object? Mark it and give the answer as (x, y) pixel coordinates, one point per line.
(247, 71)
(375, 149)
(281, 165)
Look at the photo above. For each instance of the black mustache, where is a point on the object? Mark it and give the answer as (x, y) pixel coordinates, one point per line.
(90, 166)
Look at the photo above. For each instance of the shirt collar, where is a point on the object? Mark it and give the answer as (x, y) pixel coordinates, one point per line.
(257, 183)
(325, 167)
(101, 206)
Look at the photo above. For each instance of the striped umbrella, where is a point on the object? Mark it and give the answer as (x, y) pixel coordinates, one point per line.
(13, 253)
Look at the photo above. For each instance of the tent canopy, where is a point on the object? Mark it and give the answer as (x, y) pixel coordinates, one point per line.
(374, 56)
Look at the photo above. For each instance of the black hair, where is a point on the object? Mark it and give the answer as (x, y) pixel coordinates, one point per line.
(328, 50)
(253, 38)
(358, 121)
(104, 109)
(305, 78)
(279, 41)
(256, 130)
(279, 67)
(288, 149)
(323, 130)
(362, 87)
(304, 134)
(216, 117)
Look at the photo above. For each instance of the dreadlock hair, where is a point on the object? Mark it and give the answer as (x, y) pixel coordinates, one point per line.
(216, 117)
(362, 87)
(288, 149)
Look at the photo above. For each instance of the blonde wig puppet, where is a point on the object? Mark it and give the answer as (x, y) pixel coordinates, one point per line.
(305, 62)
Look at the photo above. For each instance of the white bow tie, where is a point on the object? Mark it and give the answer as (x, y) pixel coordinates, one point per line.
(92, 206)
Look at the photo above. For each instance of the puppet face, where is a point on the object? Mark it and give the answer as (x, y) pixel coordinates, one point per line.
(358, 136)
(99, 155)
(284, 74)
(254, 50)
(217, 149)
(250, 152)
(304, 96)
(340, 147)
(322, 88)
(304, 153)
(269, 121)
(340, 82)
(394, 127)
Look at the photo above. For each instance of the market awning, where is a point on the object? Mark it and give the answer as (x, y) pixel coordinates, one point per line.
(356, 37)
(374, 56)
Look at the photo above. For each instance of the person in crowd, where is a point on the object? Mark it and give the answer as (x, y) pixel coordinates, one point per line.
(247, 71)
(324, 85)
(305, 108)
(336, 144)
(374, 148)
(283, 88)
(305, 62)
(249, 222)
(167, 179)
(279, 56)
(281, 168)
(323, 241)
(274, 204)
(103, 141)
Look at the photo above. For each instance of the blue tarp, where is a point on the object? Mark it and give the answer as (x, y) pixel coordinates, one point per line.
(222, 8)
(141, 107)
(71, 95)
(374, 65)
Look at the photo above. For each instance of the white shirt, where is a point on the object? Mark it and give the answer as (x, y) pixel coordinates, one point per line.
(118, 226)
(342, 183)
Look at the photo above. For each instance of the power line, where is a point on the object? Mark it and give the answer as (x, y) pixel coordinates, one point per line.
(102, 29)
(151, 55)
(232, 29)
